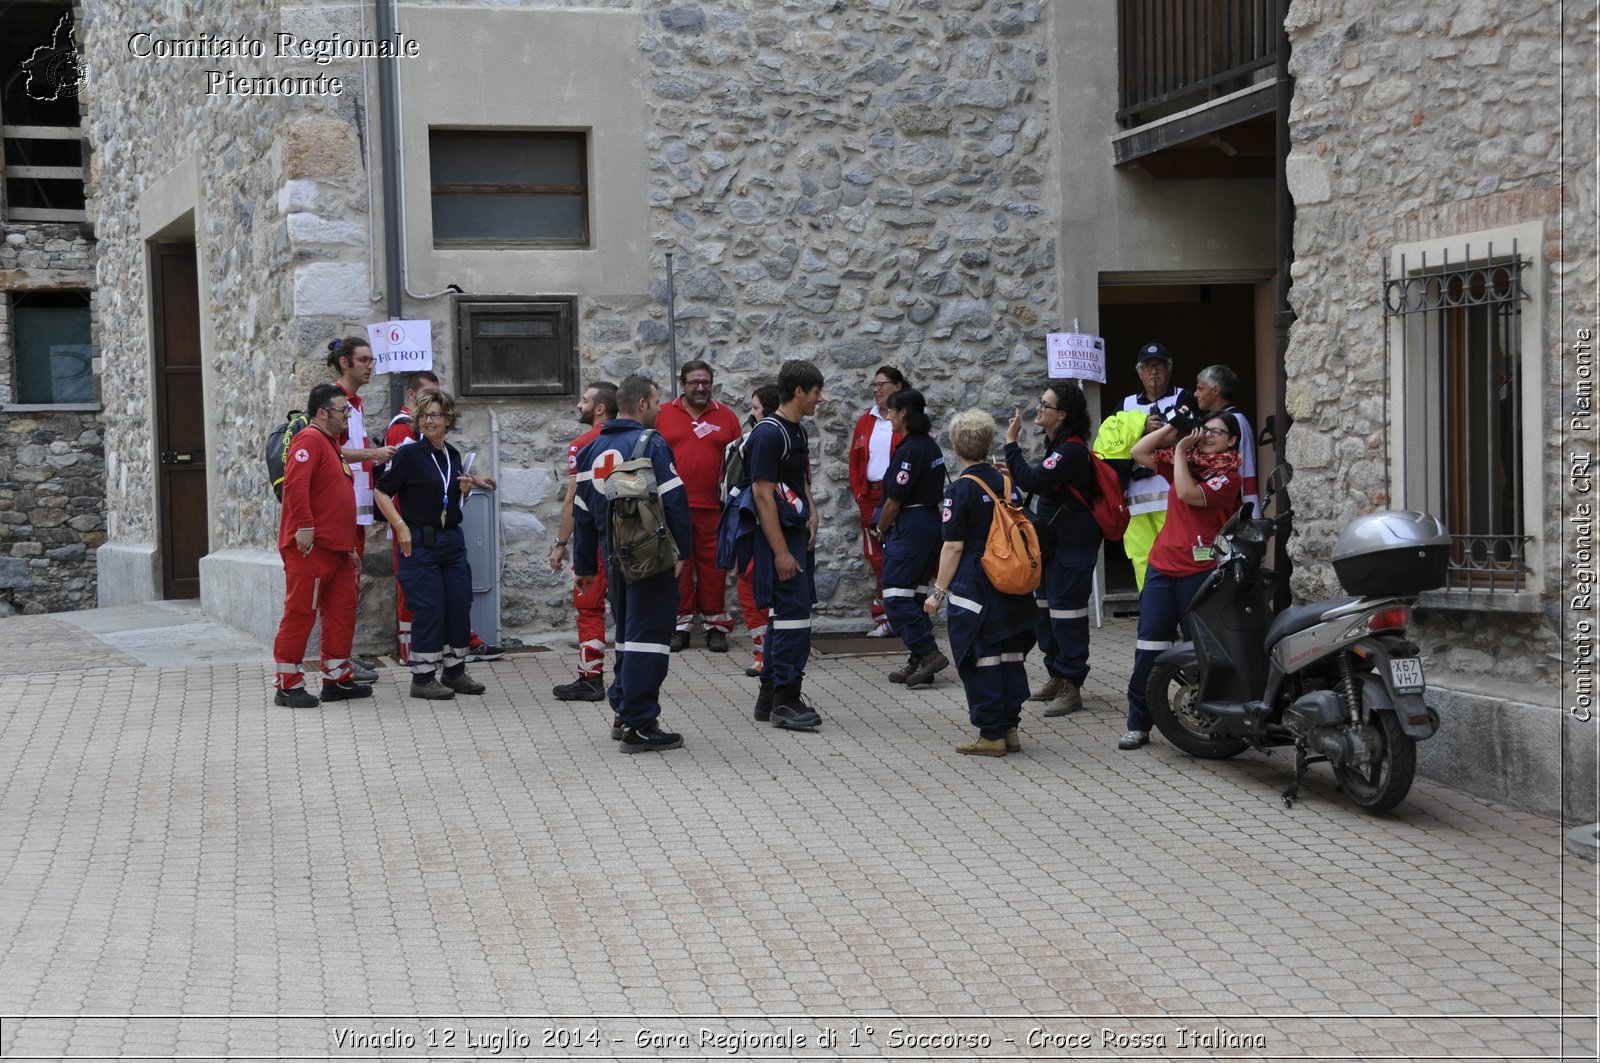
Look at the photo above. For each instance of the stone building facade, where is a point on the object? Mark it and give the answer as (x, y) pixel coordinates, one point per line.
(1452, 143)
(857, 184)
(52, 481)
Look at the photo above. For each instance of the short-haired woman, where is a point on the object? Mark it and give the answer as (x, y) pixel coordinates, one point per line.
(907, 524)
(990, 632)
(1203, 469)
(1062, 480)
(420, 495)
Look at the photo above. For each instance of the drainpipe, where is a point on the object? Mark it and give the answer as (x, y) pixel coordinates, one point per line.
(389, 137)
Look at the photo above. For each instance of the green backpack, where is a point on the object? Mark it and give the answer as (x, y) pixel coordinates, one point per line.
(636, 521)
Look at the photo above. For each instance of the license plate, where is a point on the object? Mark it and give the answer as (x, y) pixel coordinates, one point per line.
(1406, 675)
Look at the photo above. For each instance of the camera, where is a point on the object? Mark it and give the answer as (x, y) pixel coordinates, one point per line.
(1181, 418)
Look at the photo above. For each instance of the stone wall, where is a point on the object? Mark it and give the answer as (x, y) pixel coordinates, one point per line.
(52, 482)
(852, 183)
(1437, 121)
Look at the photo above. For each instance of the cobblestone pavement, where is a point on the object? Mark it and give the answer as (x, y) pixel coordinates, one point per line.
(190, 871)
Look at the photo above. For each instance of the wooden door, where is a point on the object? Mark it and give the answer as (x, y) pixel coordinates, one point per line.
(180, 419)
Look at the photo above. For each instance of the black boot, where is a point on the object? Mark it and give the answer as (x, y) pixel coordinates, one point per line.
(790, 711)
(764, 702)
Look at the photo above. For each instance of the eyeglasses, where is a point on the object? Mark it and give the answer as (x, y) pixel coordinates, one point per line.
(1214, 432)
(342, 411)
(434, 416)
(876, 384)
(698, 385)
(1047, 406)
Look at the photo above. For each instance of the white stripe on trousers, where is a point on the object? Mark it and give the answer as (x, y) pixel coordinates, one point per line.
(966, 603)
(644, 647)
(1069, 614)
(998, 659)
(1141, 644)
(789, 625)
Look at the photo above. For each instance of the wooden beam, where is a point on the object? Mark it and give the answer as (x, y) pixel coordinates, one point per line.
(45, 214)
(44, 280)
(42, 132)
(46, 173)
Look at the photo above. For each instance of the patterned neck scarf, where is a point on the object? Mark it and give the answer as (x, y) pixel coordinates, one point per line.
(1200, 462)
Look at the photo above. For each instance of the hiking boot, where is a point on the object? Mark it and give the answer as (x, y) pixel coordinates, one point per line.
(1013, 743)
(764, 699)
(583, 688)
(680, 641)
(717, 641)
(361, 672)
(1134, 739)
(790, 711)
(648, 738)
(1049, 691)
(463, 684)
(983, 747)
(927, 668)
(430, 689)
(345, 691)
(909, 668)
(295, 698)
(1067, 702)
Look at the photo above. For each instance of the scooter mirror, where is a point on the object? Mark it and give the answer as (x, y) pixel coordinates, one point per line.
(1280, 478)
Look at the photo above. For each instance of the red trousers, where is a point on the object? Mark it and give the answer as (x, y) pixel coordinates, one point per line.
(402, 611)
(871, 549)
(755, 617)
(702, 586)
(321, 584)
(591, 606)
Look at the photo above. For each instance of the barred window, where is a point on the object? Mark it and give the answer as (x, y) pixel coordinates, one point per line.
(504, 188)
(1454, 328)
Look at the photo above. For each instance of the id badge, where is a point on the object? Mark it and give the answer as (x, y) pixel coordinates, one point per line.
(1202, 553)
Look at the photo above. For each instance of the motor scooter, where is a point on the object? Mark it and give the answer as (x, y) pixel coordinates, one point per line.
(1338, 680)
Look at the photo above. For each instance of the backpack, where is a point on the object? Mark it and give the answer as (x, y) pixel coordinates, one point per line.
(1109, 506)
(1011, 558)
(278, 448)
(636, 521)
(735, 465)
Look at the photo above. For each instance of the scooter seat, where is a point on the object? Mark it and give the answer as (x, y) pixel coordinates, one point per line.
(1299, 617)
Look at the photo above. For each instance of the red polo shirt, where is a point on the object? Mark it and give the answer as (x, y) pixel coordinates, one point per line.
(697, 447)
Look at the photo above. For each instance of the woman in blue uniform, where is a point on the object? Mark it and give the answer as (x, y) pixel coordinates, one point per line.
(907, 525)
(420, 495)
(990, 632)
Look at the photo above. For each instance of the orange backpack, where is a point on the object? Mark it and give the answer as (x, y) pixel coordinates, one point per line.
(1011, 558)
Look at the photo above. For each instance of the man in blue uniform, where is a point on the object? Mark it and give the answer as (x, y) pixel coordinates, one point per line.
(779, 463)
(646, 609)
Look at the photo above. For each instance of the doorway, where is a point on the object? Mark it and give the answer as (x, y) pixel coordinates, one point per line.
(1200, 324)
(179, 418)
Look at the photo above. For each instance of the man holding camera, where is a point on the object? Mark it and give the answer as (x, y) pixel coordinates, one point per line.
(1147, 489)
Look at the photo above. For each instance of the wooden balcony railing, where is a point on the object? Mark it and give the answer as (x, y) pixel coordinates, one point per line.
(1175, 54)
(28, 197)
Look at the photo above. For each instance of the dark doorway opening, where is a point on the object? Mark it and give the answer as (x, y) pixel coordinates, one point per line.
(180, 418)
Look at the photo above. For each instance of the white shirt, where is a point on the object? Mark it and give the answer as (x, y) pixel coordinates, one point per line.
(878, 446)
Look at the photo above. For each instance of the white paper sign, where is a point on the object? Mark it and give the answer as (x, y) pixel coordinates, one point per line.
(1076, 356)
(401, 346)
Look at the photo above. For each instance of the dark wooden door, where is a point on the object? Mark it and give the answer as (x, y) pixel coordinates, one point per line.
(180, 419)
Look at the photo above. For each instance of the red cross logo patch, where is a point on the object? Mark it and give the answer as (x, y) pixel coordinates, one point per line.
(606, 463)
(302, 454)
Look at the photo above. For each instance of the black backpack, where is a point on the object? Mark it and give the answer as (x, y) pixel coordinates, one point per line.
(278, 448)
(735, 467)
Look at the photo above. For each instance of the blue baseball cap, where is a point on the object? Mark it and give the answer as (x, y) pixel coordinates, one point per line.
(1153, 350)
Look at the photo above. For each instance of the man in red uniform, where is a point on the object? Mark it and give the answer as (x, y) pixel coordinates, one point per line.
(317, 537)
(403, 430)
(352, 364)
(870, 446)
(598, 404)
(698, 428)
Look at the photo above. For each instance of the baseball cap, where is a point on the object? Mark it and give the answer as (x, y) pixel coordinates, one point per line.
(1154, 350)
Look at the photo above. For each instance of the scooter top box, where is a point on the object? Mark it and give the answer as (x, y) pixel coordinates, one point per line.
(1395, 552)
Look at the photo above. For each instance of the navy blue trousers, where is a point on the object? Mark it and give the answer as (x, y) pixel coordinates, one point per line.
(438, 586)
(1163, 608)
(910, 555)
(645, 613)
(995, 679)
(1063, 624)
(788, 645)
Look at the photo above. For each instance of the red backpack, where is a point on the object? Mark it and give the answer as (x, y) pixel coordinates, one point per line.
(1108, 506)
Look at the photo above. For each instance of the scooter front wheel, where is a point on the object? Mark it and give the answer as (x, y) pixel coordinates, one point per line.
(1390, 770)
(1174, 700)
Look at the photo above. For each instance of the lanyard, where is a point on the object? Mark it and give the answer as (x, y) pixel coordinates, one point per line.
(444, 478)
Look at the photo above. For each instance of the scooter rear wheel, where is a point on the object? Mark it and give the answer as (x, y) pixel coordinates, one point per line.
(1390, 772)
(1173, 697)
